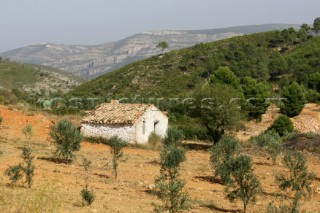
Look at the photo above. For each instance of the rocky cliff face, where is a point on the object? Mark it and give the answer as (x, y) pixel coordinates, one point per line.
(93, 61)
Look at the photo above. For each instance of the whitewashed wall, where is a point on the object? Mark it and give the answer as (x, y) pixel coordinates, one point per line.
(124, 131)
(150, 117)
(128, 132)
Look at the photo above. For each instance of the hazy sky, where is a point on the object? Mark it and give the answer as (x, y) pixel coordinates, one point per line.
(25, 22)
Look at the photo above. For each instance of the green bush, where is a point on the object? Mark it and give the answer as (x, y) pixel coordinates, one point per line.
(15, 173)
(225, 76)
(194, 133)
(174, 137)
(172, 157)
(88, 196)
(1, 119)
(67, 139)
(282, 125)
(116, 146)
(264, 138)
(222, 154)
(271, 140)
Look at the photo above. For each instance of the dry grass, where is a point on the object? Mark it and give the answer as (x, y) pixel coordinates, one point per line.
(46, 198)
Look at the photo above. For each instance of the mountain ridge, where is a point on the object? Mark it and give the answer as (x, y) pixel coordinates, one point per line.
(94, 60)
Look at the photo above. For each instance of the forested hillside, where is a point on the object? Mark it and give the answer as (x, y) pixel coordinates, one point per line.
(279, 66)
(264, 56)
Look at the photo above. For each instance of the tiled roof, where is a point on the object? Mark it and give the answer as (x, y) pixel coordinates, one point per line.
(116, 113)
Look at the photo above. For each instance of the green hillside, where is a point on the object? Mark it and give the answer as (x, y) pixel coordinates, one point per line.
(20, 82)
(263, 56)
(14, 75)
(25, 77)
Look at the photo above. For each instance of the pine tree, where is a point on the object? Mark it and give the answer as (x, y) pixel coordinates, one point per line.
(293, 100)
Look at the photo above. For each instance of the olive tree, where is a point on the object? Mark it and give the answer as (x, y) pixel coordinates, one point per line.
(116, 146)
(218, 107)
(16, 172)
(67, 139)
(87, 195)
(169, 186)
(221, 156)
(298, 179)
(244, 184)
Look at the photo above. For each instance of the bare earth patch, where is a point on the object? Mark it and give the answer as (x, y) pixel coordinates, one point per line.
(137, 171)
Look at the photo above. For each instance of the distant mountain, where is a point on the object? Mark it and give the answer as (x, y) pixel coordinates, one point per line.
(35, 79)
(95, 60)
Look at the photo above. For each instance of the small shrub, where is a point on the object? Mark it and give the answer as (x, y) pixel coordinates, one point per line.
(155, 141)
(264, 139)
(244, 184)
(274, 149)
(299, 179)
(15, 173)
(87, 196)
(28, 168)
(174, 137)
(96, 140)
(1, 120)
(116, 145)
(221, 155)
(282, 125)
(194, 133)
(28, 131)
(67, 139)
(271, 208)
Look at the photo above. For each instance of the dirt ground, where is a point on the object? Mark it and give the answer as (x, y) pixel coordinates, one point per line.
(57, 186)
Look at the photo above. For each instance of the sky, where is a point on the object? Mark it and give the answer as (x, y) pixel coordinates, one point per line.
(87, 22)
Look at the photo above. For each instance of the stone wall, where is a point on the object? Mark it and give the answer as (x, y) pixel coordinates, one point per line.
(124, 131)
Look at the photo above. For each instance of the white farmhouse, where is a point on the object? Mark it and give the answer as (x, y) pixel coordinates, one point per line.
(131, 122)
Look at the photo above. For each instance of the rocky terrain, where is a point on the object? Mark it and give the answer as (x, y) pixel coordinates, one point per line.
(93, 61)
(308, 121)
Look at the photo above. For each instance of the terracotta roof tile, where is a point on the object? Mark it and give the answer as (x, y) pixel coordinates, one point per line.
(116, 113)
